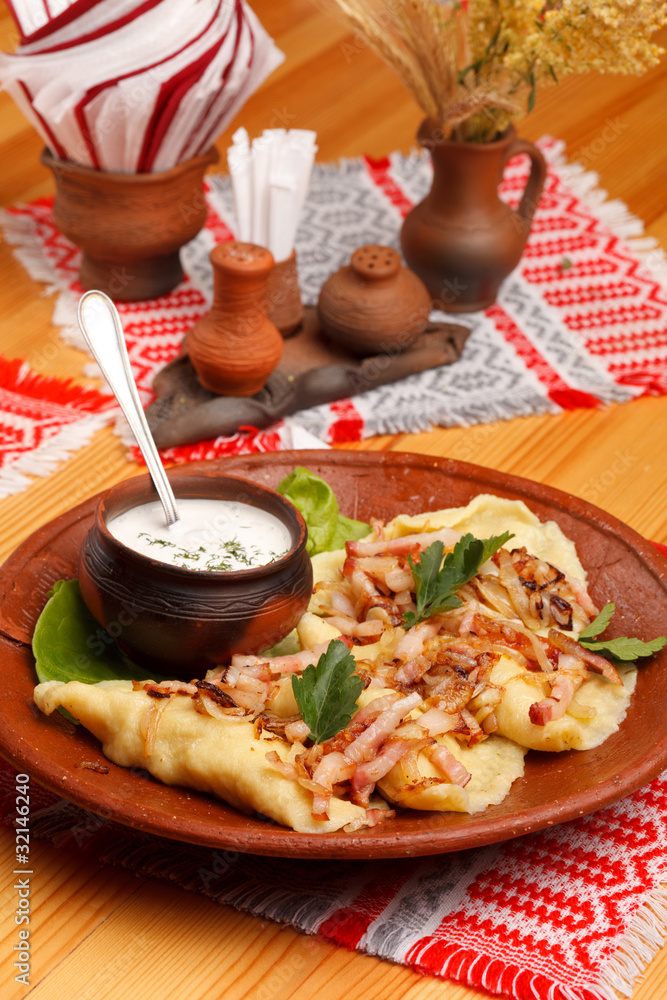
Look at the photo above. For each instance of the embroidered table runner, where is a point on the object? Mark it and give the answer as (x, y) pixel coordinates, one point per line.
(574, 912)
(581, 322)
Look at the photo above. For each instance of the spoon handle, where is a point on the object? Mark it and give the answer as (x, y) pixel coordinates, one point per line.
(102, 330)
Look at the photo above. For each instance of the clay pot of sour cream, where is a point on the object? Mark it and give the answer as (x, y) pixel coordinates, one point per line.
(225, 591)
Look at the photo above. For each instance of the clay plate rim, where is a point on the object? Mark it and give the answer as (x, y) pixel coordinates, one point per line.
(621, 565)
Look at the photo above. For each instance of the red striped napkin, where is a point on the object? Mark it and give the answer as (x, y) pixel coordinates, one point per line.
(134, 85)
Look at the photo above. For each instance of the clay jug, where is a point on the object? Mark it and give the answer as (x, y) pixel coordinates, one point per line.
(235, 347)
(462, 239)
(373, 304)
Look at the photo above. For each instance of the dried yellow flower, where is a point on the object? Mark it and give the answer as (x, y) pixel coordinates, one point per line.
(475, 66)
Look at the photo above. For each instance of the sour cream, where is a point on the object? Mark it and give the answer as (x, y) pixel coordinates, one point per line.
(210, 534)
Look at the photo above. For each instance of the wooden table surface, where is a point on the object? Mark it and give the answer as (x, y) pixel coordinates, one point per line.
(103, 933)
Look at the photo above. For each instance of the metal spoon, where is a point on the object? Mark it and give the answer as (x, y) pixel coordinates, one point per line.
(102, 330)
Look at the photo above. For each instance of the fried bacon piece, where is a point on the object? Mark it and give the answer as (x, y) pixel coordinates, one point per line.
(452, 769)
(368, 773)
(568, 678)
(387, 572)
(593, 662)
(333, 769)
(366, 594)
(435, 721)
(365, 632)
(406, 544)
(412, 671)
(412, 643)
(297, 730)
(292, 663)
(514, 636)
(365, 745)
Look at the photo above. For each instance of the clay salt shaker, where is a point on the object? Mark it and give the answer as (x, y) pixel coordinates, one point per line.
(235, 347)
(373, 304)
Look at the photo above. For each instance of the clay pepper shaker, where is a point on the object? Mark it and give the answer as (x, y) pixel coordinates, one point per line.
(235, 347)
(373, 304)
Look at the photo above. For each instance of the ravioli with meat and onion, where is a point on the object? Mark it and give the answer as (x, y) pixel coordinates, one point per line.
(506, 661)
(450, 704)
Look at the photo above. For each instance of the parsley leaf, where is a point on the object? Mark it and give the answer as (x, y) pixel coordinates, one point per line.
(436, 581)
(327, 693)
(599, 624)
(624, 648)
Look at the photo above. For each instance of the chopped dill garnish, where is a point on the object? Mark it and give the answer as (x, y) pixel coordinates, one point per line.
(157, 541)
(222, 565)
(189, 554)
(233, 550)
(231, 554)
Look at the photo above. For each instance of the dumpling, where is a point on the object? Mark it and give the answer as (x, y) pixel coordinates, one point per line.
(493, 765)
(488, 515)
(596, 711)
(226, 758)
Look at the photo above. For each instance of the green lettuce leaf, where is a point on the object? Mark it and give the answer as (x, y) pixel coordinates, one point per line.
(70, 645)
(328, 529)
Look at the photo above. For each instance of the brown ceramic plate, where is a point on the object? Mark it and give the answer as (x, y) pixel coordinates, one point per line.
(621, 565)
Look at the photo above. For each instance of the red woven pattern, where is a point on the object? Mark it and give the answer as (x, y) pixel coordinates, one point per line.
(37, 411)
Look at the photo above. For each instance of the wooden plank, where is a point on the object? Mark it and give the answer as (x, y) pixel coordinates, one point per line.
(60, 879)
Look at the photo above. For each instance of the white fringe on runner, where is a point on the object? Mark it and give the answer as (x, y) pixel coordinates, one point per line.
(637, 948)
(50, 454)
(642, 941)
(19, 232)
